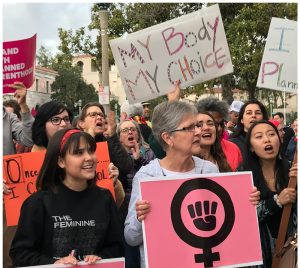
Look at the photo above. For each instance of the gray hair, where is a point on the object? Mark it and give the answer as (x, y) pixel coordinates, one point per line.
(167, 116)
(131, 109)
(141, 140)
(213, 104)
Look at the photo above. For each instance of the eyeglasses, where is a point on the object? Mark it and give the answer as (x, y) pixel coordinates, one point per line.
(95, 114)
(57, 120)
(127, 129)
(190, 128)
(208, 123)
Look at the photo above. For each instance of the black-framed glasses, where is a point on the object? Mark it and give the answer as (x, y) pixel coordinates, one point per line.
(127, 129)
(190, 128)
(95, 114)
(57, 120)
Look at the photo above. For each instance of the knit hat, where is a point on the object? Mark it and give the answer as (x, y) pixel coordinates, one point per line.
(236, 106)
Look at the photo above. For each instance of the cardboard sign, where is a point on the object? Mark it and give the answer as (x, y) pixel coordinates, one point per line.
(105, 263)
(201, 221)
(18, 62)
(278, 68)
(21, 170)
(192, 48)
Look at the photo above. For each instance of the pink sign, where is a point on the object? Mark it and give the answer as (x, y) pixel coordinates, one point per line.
(105, 263)
(18, 62)
(201, 221)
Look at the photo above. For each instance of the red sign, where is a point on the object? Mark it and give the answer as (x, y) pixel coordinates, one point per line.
(18, 62)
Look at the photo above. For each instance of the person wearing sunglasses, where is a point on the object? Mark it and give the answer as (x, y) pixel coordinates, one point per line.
(51, 117)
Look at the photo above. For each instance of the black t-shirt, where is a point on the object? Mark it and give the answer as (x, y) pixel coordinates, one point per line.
(51, 225)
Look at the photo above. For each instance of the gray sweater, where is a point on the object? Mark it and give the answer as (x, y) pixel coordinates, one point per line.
(133, 228)
(14, 129)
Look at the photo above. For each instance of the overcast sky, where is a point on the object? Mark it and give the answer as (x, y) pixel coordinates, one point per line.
(23, 20)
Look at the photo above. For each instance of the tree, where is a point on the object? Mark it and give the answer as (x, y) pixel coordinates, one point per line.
(69, 87)
(44, 57)
(246, 27)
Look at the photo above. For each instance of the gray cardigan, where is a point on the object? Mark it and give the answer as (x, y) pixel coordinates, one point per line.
(133, 228)
(14, 129)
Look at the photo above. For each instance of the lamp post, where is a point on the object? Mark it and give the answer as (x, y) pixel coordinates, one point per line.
(271, 99)
(79, 104)
(103, 14)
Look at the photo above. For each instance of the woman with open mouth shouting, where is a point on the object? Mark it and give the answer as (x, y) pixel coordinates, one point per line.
(271, 172)
(207, 144)
(132, 140)
(251, 112)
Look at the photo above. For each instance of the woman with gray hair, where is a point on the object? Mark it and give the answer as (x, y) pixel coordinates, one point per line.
(173, 125)
(135, 112)
(132, 140)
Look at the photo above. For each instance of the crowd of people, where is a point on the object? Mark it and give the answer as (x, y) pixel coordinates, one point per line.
(70, 219)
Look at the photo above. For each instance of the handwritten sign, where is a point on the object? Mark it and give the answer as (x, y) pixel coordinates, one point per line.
(21, 170)
(18, 62)
(192, 48)
(105, 263)
(278, 68)
(201, 220)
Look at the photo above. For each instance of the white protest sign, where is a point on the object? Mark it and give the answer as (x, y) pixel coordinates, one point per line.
(192, 48)
(278, 68)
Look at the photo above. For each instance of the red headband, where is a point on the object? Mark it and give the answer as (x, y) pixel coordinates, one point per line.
(67, 136)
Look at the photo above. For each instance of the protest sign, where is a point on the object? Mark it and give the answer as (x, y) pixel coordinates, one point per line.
(18, 62)
(278, 68)
(21, 170)
(105, 263)
(192, 48)
(203, 220)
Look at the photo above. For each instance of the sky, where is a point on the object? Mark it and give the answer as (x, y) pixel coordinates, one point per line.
(23, 20)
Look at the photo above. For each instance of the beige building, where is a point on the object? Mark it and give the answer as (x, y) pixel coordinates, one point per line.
(89, 71)
(91, 76)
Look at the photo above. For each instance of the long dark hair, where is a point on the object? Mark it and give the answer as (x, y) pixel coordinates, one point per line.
(44, 113)
(252, 163)
(217, 151)
(240, 126)
(51, 175)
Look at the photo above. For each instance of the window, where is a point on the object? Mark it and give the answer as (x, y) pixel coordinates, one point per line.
(36, 84)
(47, 86)
(93, 65)
(80, 65)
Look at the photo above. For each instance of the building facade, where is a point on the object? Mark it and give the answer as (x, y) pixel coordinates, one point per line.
(40, 91)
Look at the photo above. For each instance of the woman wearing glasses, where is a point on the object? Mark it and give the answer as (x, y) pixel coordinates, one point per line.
(92, 120)
(51, 117)
(132, 140)
(173, 125)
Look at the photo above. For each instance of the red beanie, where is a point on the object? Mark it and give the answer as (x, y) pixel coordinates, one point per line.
(274, 122)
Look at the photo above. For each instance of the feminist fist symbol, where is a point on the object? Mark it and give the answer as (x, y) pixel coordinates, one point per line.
(207, 222)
